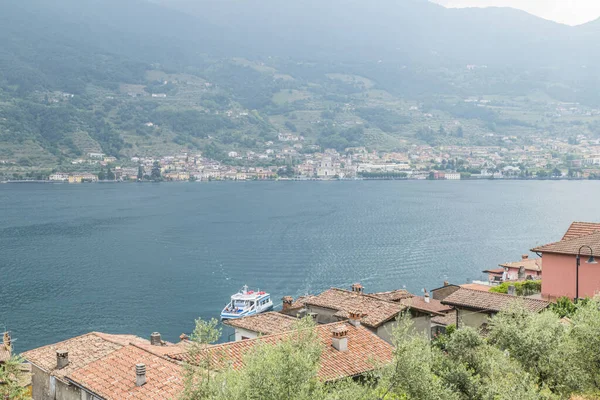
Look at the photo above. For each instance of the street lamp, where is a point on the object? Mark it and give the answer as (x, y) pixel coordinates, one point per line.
(591, 260)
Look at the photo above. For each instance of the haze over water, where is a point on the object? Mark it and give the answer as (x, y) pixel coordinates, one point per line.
(138, 258)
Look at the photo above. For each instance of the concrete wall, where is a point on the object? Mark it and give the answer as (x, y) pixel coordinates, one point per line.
(40, 384)
(46, 387)
(421, 326)
(559, 276)
(471, 318)
(324, 315)
(67, 392)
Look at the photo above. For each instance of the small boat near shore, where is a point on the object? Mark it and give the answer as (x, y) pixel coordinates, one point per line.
(247, 302)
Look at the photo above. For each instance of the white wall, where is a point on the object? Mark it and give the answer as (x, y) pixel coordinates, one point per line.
(239, 332)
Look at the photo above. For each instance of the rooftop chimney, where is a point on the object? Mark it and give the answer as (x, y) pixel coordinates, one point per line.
(183, 337)
(155, 339)
(339, 339)
(446, 283)
(140, 374)
(354, 318)
(357, 288)
(426, 296)
(62, 359)
(525, 256)
(512, 290)
(287, 302)
(313, 315)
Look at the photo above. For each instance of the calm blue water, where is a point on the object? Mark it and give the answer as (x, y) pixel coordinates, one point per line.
(138, 258)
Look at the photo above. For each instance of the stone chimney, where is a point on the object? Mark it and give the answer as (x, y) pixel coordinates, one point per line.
(183, 337)
(287, 302)
(446, 283)
(354, 318)
(155, 339)
(140, 374)
(62, 359)
(426, 296)
(525, 257)
(339, 339)
(357, 288)
(512, 290)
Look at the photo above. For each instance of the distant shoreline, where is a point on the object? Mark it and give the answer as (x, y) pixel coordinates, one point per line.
(299, 180)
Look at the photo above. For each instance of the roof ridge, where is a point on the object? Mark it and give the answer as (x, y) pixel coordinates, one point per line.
(502, 295)
(565, 240)
(137, 346)
(62, 341)
(274, 335)
(101, 334)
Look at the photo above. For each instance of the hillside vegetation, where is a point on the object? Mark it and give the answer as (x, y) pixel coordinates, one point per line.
(133, 77)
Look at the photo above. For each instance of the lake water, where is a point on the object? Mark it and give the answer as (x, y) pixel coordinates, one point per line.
(138, 258)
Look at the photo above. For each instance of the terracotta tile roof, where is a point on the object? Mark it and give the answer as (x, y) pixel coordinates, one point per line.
(531, 264)
(394, 295)
(375, 311)
(446, 319)
(168, 348)
(296, 306)
(434, 306)
(365, 350)
(82, 351)
(499, 271)
(571, 246)
(581, 229)
(113, 377)
(477, 286)
(485, 301)
(265, 323)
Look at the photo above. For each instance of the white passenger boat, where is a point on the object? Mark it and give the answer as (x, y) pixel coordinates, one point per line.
(247, 302)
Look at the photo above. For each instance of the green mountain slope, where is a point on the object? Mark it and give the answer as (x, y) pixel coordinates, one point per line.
(131, 77)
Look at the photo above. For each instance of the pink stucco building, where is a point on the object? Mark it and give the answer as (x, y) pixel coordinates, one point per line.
(560, 262)
(526, 268)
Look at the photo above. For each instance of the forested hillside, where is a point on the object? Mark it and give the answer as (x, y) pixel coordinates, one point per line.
(133, 77)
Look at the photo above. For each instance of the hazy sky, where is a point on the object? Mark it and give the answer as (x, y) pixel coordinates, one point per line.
(572, 12)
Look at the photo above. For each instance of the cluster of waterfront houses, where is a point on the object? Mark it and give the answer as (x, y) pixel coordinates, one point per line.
(354, 327)
(309, 162)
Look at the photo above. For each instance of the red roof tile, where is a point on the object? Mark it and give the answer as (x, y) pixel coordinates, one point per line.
(82, 350)
(434, 306)
(113, 377)
(580, 229)
(477, 286)
(494, 302)
(265, 323)
(572, 246)
(365, 349)
(530, 264)
(394, 295)
(374, 310)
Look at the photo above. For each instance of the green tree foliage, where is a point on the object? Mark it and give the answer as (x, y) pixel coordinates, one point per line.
(386, 120)
(524, 356)
(522, 288)
(156, 175)
(11, 380)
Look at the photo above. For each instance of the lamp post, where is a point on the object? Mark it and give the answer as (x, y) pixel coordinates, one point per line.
(591, 260)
